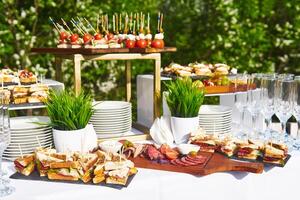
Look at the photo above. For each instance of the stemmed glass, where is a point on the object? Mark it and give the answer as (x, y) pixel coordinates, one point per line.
(5, 189)
(268, 95)
(254, 101)
(240, 101)
(296, 109)
(284, 94)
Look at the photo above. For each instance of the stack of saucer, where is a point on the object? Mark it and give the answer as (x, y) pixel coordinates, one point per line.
(111, 118)
(27, 135)
(215, 119)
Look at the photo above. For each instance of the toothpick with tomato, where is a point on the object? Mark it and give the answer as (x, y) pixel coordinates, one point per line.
(141, 42)
(158, 41)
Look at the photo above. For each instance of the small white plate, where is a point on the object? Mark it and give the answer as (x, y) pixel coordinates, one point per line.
(28, 122)
(214, 109)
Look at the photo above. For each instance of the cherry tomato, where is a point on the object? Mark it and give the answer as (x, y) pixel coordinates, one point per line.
(130, 43)
(87, 38)
(141, 43)
(74, 37)
(63, 35)
(110, 36)
(157, 43)
(98, 36)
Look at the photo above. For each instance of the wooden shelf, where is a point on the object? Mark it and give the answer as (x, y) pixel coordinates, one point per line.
(92, 51)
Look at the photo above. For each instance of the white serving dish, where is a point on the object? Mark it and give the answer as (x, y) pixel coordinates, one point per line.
(110, 146)
(187, 148)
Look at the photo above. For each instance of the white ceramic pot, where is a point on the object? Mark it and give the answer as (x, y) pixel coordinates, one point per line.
(182, 127)
(82, 140)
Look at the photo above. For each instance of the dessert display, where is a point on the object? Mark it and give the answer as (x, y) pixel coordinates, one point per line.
(26, 77)
(126, 31)
(98, 167)
(8, 77)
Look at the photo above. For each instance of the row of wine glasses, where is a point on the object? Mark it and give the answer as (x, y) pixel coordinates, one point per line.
(5, 189)
(266, 95)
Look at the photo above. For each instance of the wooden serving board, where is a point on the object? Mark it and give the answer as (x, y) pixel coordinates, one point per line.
(215, 163)
(91, 51)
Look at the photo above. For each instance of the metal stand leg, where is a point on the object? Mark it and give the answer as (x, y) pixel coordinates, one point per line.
(157, 88)
(128, 80)
(77, 73)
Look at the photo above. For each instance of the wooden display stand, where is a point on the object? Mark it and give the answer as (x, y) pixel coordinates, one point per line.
(82, 54)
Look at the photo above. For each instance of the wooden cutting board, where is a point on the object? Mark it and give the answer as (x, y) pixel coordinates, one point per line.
(215, 163)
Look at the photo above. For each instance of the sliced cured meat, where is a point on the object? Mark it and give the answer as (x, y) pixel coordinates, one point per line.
(198, 161)
(190, 163)
(198, 157)
(173, 162)
(179, 162)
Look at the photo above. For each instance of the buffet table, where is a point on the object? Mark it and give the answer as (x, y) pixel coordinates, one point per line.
(274, 183)
(82, 54)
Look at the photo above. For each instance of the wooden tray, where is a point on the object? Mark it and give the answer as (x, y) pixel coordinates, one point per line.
(215, 163)
(91, 51)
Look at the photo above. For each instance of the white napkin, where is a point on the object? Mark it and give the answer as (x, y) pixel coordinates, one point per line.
(160, 131)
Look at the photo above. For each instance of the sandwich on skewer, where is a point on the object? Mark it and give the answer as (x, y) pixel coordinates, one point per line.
(38, 93)
(44, 157)
(20, 94)
(86, 169)
(248, 151)
(228, 147)
(274, 155)
(66, 170)
(25, 164)
(207, 142)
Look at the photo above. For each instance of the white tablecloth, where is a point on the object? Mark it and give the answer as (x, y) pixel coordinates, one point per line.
(274, 183)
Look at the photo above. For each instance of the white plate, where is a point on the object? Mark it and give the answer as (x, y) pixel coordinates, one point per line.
(214, 109)
(215, 121)
(31, 135)
(214, 116)
(121, 110)
(42, 137)
(108, 105)
(109, 135)
(113, 116)
(112, 125)
(111, 120)
(27, 122)
(112, 132)
(16, 145)
(28, 148)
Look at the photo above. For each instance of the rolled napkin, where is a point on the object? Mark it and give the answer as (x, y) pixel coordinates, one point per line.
(161, 132)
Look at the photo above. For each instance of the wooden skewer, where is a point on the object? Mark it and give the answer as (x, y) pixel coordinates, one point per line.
(114, 22)
(54, 24)
(79, 30)
(90, 25)
(66, 25)
(38, 140)
(134, 27)
(97, 24)
(158, 21)
(117, 23)
(137, 22)
(126, 24)
(20, 149)
(107, 28)
(82, 25)
(161, 21)
(120, 21)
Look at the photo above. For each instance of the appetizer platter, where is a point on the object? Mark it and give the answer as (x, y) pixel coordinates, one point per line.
(126, 31)
(215, 77)
(96, 168)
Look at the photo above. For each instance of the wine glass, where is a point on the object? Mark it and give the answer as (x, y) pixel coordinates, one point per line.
(284, 94)
(240, 101)
(296, 109)
(254, 102)
(5, 189)
(267, 95)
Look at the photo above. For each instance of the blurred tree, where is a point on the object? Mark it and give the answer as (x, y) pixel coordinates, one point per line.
(254, 36)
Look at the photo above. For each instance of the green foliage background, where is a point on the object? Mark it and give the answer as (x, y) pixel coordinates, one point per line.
(252, 35)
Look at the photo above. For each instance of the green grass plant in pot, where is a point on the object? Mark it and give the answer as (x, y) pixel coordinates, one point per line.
(184, 98)
(69, 115)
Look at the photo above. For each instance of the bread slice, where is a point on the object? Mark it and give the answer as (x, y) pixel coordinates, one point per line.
(67, 164)
(116, 180)
(98, 179)
(20, 100)
(56, 176)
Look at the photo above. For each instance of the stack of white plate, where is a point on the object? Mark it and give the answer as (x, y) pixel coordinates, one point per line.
(111, 118)
(215, 119)
(27, 135)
